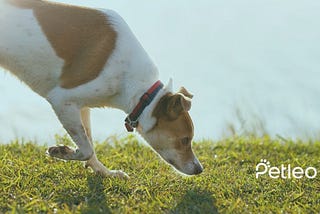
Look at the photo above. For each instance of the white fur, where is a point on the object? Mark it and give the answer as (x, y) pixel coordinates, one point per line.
(21, 38)
(128, 73)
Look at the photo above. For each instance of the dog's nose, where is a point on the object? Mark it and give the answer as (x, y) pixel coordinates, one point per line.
(198, 169)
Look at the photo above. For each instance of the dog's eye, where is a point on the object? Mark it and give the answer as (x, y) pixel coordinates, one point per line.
(185, 141)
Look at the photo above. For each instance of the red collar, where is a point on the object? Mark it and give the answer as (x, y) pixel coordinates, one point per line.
(131, 120)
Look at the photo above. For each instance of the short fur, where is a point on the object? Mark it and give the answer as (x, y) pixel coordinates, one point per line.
(78, 58)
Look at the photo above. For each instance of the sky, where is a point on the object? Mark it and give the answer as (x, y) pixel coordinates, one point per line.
(253, 66)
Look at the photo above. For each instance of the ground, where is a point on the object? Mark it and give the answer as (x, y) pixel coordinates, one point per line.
(31, 182)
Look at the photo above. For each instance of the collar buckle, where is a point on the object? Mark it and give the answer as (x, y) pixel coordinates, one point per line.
(131, 124)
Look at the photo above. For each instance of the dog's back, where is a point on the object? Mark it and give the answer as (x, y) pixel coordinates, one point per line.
(48, 44)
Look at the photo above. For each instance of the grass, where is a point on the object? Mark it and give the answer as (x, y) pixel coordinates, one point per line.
(31, 182)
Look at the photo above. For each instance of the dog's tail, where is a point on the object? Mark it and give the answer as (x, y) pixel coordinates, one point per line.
(24, 3)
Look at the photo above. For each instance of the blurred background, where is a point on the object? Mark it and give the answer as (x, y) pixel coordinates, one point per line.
(253, 67)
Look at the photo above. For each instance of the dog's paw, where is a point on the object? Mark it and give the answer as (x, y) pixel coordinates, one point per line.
(61, 152)
(113, 174)
(119, 174)
(101, 170)
(66, 153)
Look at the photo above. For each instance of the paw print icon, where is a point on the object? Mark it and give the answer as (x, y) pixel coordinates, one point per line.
(262, 167)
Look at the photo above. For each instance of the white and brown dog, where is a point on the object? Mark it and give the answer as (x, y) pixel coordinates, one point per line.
(78, 58)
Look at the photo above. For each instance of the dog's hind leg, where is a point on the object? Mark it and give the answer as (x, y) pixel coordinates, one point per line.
(93, 162)
(85, 118)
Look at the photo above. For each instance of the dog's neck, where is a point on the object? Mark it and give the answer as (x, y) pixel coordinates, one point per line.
(146, 119)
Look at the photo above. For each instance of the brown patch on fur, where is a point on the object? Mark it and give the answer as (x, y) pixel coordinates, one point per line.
(178, 127)
(82, 37)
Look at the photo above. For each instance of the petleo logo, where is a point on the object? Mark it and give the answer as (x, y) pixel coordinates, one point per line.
(284, 171)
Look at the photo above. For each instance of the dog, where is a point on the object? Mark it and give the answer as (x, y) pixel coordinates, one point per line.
(79, 58)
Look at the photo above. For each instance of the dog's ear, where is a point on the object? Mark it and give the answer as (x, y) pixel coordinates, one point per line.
(177, 104)
(186, 93)
(172, 105)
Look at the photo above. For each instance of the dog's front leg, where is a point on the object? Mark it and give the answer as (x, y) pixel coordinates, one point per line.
(93, 162)
(70, 117)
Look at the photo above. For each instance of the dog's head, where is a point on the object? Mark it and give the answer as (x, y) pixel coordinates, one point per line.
(172, 134)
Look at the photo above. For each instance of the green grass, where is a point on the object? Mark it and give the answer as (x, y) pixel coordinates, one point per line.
(31, 182)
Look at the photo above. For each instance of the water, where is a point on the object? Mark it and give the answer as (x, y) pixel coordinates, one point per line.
(252, 66)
